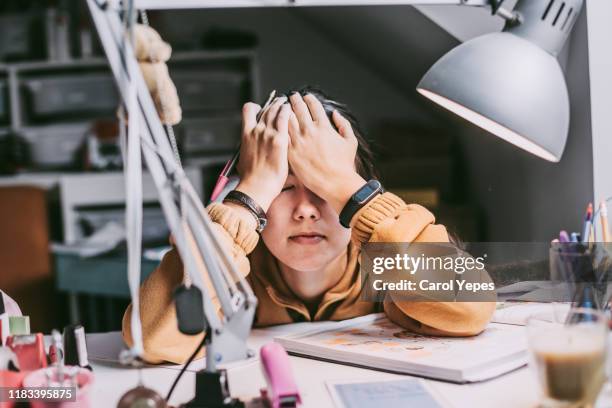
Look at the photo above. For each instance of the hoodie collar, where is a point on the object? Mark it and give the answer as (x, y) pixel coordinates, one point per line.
(266, 268)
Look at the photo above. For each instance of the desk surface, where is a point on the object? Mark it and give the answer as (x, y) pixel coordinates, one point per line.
(516, 389)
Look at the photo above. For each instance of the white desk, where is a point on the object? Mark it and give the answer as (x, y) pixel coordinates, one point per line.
(514, 390)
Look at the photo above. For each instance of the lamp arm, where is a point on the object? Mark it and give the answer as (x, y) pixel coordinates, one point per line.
(512, 17)
(496, 5)
(207, 4)
(187, 218)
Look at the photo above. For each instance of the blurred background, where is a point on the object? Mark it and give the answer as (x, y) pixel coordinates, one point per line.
(60, 160)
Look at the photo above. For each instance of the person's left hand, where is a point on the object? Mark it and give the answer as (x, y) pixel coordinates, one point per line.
(322, 158)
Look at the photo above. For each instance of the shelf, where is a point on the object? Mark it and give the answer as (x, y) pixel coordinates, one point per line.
(50, 179)
(34, 125)
(212, 54)
(101, 61)
(75, 63)
(43, 180)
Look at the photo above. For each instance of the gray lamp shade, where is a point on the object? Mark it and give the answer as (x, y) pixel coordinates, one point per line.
(507, 86)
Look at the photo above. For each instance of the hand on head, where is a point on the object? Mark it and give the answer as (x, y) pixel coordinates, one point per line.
(320, 156)
(263, 164)
(297, 133)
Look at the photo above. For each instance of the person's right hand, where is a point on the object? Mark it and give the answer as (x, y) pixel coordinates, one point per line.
(263, 164)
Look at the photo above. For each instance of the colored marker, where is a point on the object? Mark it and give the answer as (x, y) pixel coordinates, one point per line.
(564, 236)
(588, 218)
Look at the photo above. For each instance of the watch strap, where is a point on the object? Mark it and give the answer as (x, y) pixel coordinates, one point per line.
(242, 199)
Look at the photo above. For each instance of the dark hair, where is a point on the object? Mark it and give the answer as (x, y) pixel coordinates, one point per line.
(364, 159)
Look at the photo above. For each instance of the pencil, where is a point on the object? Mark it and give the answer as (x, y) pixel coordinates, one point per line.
(603, 216)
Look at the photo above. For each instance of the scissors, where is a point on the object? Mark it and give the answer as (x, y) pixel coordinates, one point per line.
(223, 178)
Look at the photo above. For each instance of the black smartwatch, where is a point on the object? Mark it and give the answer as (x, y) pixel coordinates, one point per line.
(358, 200)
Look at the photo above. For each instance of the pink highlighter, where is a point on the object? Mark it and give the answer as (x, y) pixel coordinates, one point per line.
(282, 391)
(224, 176)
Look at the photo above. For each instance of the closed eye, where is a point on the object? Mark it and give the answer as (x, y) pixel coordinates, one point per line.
(286, 188)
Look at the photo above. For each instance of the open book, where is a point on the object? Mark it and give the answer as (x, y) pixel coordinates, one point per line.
(373, 341)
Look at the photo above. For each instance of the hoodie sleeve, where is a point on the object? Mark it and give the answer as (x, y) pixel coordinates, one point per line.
(388, 219)
(161, 337)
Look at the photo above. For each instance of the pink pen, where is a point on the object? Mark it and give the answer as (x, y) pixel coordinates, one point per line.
(229, 166)
(282, 391)
(223, 177)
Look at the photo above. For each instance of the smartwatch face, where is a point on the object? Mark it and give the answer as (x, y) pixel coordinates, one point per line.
(367, 191)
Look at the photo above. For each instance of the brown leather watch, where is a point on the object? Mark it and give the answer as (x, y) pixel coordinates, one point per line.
(238, 197)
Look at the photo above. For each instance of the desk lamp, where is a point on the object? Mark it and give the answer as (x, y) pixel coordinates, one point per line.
(510, 83)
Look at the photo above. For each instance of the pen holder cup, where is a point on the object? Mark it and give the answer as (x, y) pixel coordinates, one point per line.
(83, 379)
(582, 274)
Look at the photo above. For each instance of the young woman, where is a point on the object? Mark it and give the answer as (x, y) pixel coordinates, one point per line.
(301, 163)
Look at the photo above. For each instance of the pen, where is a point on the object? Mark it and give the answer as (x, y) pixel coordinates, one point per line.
(229, 166)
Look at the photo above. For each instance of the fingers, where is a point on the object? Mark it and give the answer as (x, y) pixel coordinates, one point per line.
(270, 115)
(317, 112)
(301, 110)
(343, 125)
(294, 125)
(249, 117)
(282, 120)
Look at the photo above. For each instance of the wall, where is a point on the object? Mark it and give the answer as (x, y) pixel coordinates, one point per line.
(599, 14)
(293, 53)
(395, 41)
(464, 23)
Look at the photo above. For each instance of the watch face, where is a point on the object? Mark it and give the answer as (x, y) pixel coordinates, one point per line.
(366, 191)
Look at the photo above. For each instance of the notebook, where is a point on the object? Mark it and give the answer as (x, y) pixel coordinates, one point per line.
(374, 342)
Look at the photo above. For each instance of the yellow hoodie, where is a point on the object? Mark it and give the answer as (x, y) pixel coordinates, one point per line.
(385, 219)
